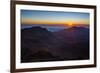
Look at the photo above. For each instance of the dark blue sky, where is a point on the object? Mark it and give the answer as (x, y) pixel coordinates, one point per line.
(36, 16)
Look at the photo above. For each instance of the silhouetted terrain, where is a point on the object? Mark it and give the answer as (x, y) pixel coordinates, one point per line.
(39, 44)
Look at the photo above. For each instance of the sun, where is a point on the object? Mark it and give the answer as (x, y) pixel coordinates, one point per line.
(70, 23)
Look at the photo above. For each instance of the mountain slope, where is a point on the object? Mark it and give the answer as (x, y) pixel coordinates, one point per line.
(77, 39)
(39, 44)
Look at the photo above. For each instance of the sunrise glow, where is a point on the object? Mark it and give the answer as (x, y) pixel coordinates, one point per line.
(31, 17)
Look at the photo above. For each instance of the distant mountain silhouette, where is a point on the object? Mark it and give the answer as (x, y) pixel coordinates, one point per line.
(39, 44)
(74, 34)
(77, 40)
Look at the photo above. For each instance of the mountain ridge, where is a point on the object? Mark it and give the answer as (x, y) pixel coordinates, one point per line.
(57, 43)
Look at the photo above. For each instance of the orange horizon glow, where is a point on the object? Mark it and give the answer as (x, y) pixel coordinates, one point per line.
(55, 18)
(63, 23)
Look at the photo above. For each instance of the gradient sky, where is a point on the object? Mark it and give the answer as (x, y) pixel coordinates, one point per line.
(54, 17)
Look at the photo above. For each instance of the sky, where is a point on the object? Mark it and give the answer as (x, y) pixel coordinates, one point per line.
(54, 18)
